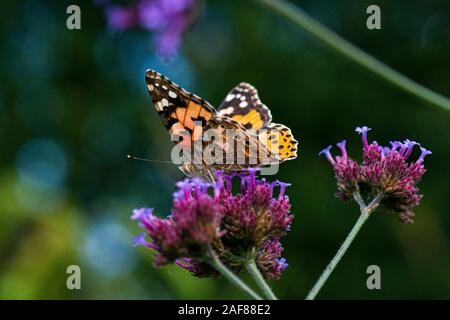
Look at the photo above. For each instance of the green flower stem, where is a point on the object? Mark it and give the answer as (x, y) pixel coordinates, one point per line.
(219, 266)
(333, 40)
(257, 276)
(365, 214)
(330, 268)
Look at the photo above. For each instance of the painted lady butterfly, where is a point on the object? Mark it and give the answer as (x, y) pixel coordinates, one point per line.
(254, 140)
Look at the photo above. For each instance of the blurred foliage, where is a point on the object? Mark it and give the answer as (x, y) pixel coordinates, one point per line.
(74, 103)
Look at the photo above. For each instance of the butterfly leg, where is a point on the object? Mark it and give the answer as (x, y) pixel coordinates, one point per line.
(211, 176)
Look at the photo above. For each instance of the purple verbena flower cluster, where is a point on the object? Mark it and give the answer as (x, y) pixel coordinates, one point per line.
(207, 218)
(190, 229)
(168, 19)
(384, 171)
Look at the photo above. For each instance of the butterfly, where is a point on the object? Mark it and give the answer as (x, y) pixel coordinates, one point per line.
(238, 135)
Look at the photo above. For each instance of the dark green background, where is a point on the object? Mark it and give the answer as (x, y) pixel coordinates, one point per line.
(74, 103)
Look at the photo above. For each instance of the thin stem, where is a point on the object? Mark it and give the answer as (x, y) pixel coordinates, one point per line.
(257, 276)
(219, 266)
(365, 213)
(336, 42)
(359, 200)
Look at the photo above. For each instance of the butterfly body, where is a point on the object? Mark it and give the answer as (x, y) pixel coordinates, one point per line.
(236, 136)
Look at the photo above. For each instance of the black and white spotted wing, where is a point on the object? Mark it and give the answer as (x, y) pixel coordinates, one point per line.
(243, 105)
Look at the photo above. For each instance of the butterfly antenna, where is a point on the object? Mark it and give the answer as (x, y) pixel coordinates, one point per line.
(147, 160)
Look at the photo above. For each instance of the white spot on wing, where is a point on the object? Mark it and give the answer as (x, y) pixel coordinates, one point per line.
(243, 104)
(172, 94)
(226, 111)
(229, 97)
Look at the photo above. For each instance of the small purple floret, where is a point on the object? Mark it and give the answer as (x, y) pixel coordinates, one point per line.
(409, 147)
(424, 153)
(341, 145)
(327, 153)
(283, 264)
(363, 131)
(142, 213)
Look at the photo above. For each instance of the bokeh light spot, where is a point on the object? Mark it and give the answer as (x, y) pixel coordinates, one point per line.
(107, 248)
(42, 163)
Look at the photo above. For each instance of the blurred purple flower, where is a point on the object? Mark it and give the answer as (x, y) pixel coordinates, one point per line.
(120, 18)
(384, 171)
(208, 216)
(167, 19)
